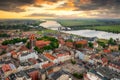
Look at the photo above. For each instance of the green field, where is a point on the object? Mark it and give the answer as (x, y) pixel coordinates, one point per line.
(78, 22)
(46, 31)
(114, 29)
(102, 25)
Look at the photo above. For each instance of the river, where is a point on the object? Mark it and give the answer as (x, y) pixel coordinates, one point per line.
(86, 33)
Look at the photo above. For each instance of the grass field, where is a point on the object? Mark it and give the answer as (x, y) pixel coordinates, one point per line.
(102, 25)
(115, 29)
(46, 31)
(78, 22)
(103, 40)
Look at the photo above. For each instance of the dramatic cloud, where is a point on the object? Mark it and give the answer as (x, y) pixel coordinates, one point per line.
(14, 5)
(19, 5)
(41, 14)
(62, 8)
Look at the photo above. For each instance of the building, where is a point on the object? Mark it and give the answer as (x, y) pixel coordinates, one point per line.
(25, 56)
(82, 42)
(69, 44)
(42, 43)
(115, 66)
(21, 75)
(32, 41)
(91, 76)
(102, 73)
(59, 75)
(63, 57)
(51, 58)
(44, 66)
(6, 67)
(113, 47)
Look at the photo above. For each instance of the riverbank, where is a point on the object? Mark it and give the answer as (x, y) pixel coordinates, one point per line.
(99, 25)
(86, 33)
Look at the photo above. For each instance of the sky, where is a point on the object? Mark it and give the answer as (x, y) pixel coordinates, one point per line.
(60, 9)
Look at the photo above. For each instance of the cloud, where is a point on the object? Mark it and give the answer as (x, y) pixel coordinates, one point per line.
(98, 4)
(101, 7)
(15, 5)
(41, 15)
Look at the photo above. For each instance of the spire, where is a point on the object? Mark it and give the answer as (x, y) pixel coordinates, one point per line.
(32, 41)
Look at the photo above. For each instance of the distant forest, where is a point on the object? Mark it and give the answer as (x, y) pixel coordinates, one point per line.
(20, 24)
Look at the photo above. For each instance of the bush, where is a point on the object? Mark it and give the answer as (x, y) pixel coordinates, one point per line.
(77, 75)
(73, 62)
(90, 45)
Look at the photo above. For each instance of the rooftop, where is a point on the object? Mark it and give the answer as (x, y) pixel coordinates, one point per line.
(47, 65)
(6, 67)
(82, 42)
(42, 43)
(56, 75)
(49, 56)
(108, 73)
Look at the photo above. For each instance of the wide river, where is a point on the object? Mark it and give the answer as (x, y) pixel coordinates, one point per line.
(86, 33)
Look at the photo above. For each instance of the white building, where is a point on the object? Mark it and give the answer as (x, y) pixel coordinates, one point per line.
(91, 76)
(63, 57)
(25, 56)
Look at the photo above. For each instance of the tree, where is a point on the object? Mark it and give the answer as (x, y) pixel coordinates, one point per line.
(111, 41)
(37, 49)
(3, 52)
(78, 45)
(90, 45)
(73, 62)
(28, 45)
(13, 41)
(78, 75)
(119, 47)
(102, 44)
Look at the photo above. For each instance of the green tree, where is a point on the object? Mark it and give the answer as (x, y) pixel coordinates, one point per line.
(78, 75)
(78, 45)
(37, 49)
(102, 44)
(111, 41)
(90, 45)
(73, 62)
(28, 45)
(119, 47)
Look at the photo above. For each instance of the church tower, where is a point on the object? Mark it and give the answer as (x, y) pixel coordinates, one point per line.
(32, 41)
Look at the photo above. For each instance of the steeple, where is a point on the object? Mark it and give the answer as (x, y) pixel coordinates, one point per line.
(32, 41)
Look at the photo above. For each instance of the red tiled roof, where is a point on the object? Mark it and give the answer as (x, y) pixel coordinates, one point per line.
(32, 37)
(47, 65)
(3, 47)
(69, 44)
(60, 55)
(83, 42)
(104, 60)
(61, 41)
(6, 67)
(13, 53)
(23, 48)
(42, 43)
(49, 56)
(34, 75)
(6, 78)
(106, 51)
(32, 60)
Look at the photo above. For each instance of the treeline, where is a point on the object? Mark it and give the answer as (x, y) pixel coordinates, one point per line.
(10, 27)
(4, 35)
(13, 41)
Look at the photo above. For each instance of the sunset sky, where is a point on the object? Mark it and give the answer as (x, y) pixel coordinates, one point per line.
(68, 9)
